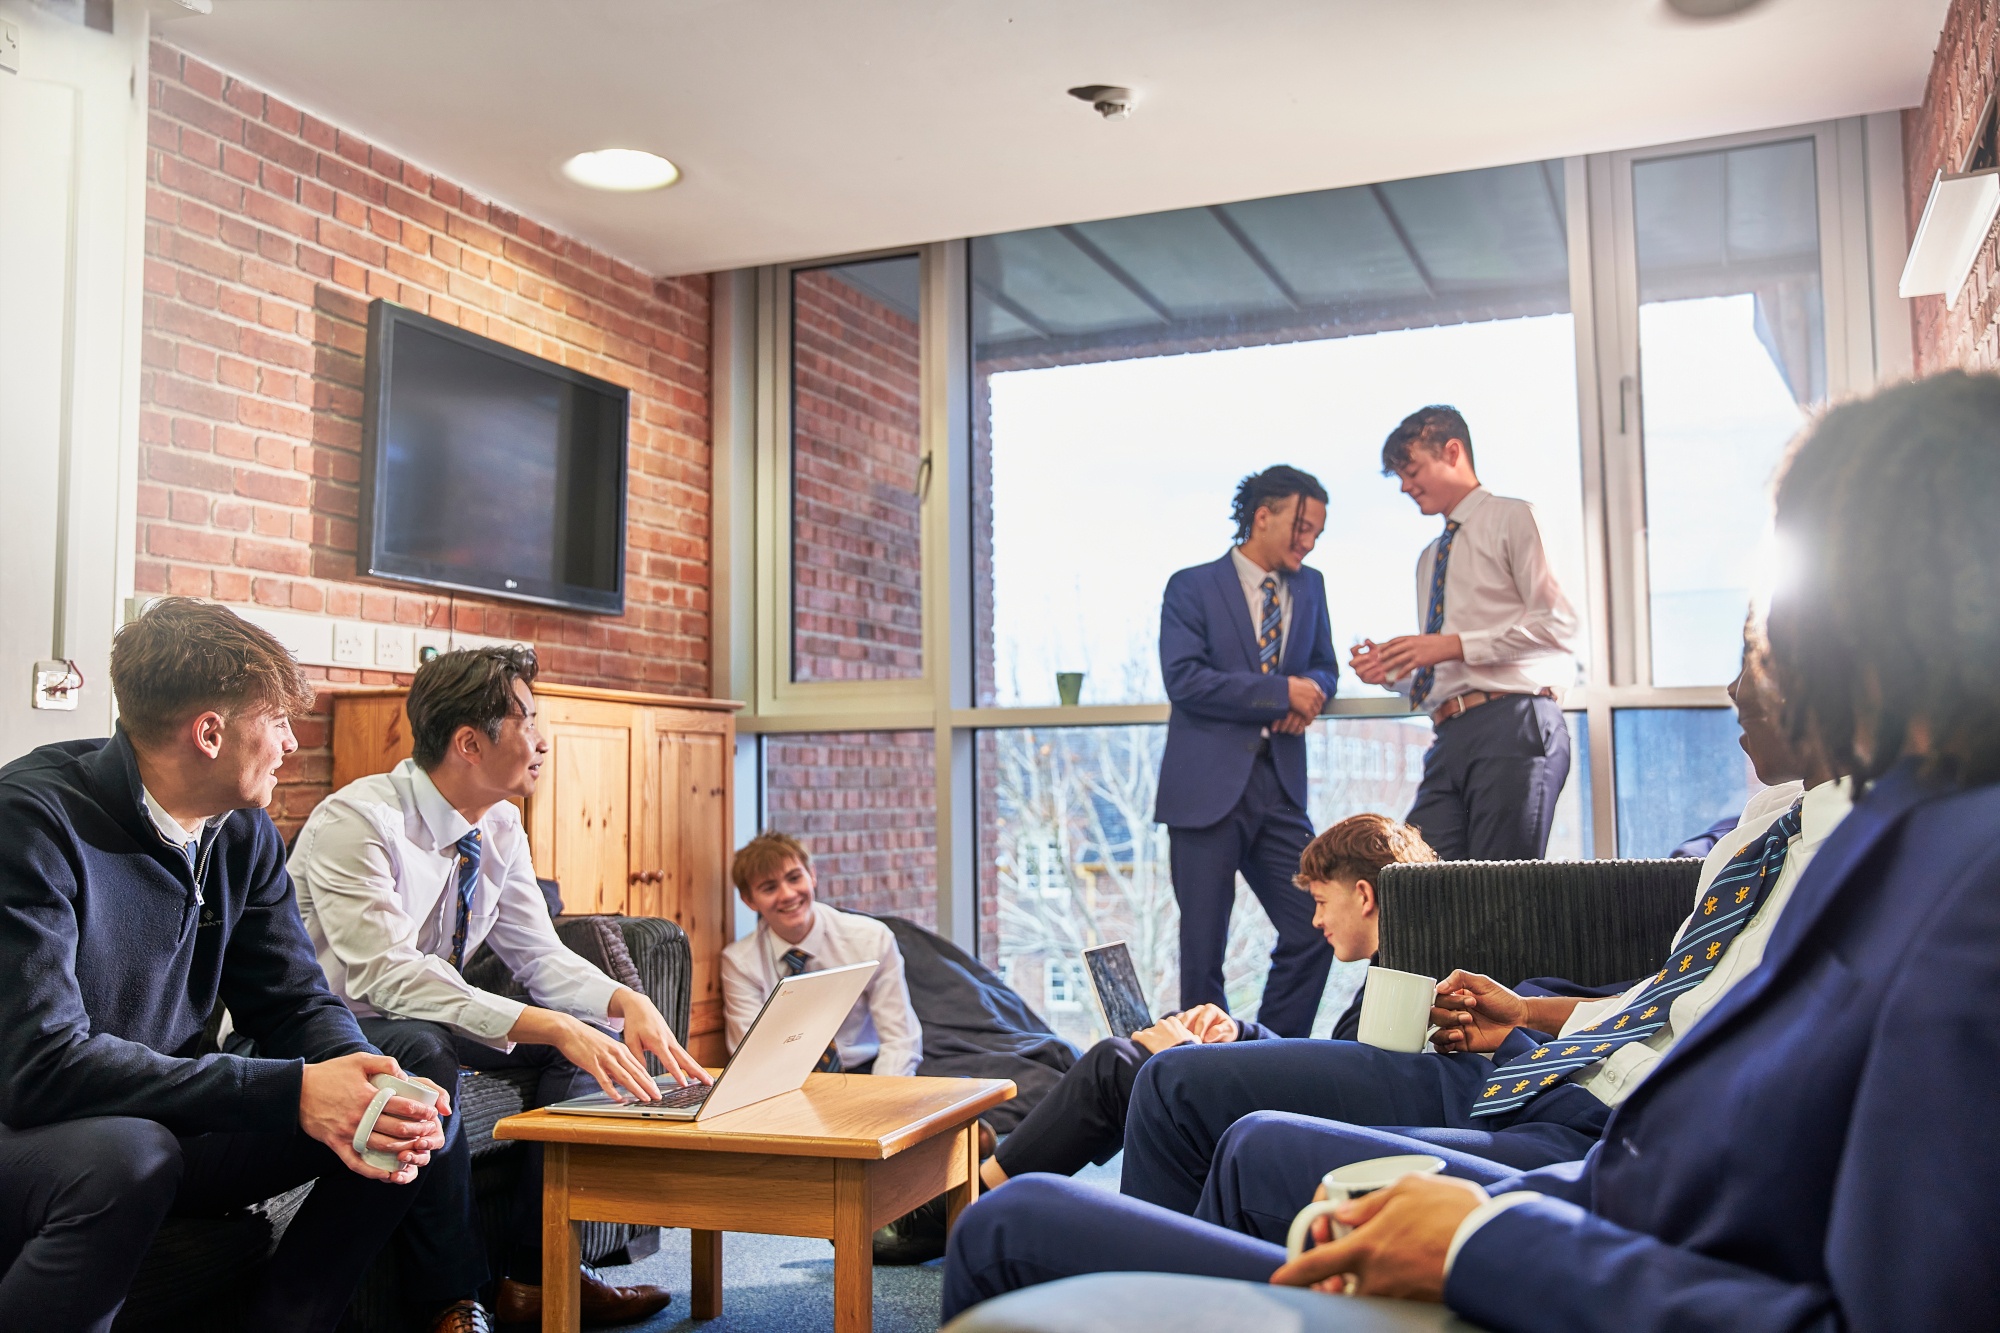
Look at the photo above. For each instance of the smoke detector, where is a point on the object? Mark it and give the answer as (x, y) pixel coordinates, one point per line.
(1108, 100)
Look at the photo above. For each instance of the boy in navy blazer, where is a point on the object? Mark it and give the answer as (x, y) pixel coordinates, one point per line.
(1246, 651)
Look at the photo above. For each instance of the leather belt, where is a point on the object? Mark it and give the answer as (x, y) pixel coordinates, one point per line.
(1461, 703)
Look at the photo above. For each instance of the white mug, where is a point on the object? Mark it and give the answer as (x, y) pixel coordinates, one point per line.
(1396, 1009)
(387, 1086)
(1351, 1182)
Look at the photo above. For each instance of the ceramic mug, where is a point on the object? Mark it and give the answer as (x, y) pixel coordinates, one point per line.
(1396, 1010)
(1351, 1182)
(387, 1086)
(1069, 687)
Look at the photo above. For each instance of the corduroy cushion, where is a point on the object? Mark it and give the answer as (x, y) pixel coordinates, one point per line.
(1595, 923)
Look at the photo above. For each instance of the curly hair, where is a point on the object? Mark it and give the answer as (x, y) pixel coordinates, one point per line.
(1890, 511)
(182, 657)
(1273, 484)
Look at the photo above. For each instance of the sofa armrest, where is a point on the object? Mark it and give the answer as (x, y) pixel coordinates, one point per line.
(1595, 923)
(649, 954)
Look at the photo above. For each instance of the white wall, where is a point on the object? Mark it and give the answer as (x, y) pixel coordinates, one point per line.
(72, 199)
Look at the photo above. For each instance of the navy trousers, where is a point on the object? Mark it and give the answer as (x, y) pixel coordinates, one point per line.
(80, 1201)
(1082, 1119)
(1041, 1228)
(1186, 1099)
(1262, 839)
(1491, 778)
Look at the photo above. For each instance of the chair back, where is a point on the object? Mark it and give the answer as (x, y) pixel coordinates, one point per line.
(1595, 923)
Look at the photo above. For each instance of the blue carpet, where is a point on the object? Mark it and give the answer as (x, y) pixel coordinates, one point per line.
(784, 1284)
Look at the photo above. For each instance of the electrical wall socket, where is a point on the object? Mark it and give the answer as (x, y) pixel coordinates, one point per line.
(350, 643)
(56, 686)
(10, 57)
(392, 649)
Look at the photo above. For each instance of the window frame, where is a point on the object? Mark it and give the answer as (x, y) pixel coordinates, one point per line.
(1862, 233)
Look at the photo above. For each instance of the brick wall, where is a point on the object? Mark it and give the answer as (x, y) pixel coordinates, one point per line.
(856, 429)
(865, 805)
(268, 232)
(1936, 136)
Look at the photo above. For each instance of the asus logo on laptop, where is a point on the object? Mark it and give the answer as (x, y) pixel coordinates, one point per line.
(794, 1037)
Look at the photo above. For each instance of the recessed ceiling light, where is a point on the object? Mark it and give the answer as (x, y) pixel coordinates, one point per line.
(624, 169)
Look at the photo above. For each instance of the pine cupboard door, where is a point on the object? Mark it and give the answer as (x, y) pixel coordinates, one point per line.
(580, 817)
(685, 847)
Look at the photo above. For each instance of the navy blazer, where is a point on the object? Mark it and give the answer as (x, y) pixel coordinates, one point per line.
(1222, 702)
(1817, 1153)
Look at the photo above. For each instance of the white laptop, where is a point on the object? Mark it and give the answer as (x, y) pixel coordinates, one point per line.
(784, 1042)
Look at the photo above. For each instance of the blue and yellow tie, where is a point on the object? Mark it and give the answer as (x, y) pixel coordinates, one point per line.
(795, 960)
(1271, 628)
(1725, 909)
(468, 876)
(1420, 686)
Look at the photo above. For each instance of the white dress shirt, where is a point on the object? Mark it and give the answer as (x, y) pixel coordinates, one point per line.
(376, 869)
(1613, 1078)
(1520, 633)
(881, 1027)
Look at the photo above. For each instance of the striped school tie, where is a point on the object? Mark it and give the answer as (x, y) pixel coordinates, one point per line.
(794, 960)
(469, 850)
(1420, 687)
(1271, 629)
(1725, 909)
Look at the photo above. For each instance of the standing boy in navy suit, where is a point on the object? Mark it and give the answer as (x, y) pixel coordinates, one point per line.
(1246, 651)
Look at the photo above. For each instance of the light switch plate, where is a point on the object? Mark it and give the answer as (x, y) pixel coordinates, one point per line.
(10, 47)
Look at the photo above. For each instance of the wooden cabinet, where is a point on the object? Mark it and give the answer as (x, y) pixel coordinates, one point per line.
(632, 813)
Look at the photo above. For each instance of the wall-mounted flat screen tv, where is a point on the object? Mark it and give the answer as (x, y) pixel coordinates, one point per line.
(487, 470)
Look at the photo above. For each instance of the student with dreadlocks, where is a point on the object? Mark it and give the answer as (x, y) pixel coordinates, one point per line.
(1498, 635)
(1246, 651)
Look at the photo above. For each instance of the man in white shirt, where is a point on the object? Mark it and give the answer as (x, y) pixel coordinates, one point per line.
(1267, 1164)
(795, 934)
(1497, 651)
(400, 878)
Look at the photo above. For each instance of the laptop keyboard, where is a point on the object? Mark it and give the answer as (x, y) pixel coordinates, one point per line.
(682, 1096)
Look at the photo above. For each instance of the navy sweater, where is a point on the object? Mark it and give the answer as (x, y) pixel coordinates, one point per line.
(113, 961)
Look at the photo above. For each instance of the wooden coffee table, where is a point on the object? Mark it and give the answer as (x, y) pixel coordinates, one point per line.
(837, 1159)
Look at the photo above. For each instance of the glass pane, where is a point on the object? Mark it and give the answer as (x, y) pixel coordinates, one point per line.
(857, 443)
(1127, 374)
(865, 805)
(1679, 770)
(1070, 857)
(1732, 355)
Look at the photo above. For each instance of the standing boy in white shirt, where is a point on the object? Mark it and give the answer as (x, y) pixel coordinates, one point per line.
(794, 934)
(401, 877)
(1497, 651)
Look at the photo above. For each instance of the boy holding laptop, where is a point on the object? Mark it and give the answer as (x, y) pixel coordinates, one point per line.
(773, 873)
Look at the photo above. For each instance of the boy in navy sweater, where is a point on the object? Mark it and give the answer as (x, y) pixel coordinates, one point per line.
(141, 884)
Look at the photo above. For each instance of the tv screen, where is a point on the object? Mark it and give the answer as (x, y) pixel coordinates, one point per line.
(487, 470)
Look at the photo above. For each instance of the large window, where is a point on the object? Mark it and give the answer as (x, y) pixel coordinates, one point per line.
(1127, 374)
(976, 463)
(1732, 354)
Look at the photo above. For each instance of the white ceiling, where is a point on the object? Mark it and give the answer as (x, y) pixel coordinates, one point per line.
(810, 128)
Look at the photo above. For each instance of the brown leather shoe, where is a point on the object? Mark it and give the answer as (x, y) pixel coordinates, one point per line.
(521, 1302)
(467, 1316)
